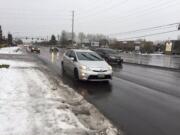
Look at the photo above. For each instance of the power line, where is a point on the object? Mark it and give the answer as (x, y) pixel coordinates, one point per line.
(142, 10)
(147, 11)
(147, 35)
(116, 4)
(95, 7)
(145, 29)
(166, 3)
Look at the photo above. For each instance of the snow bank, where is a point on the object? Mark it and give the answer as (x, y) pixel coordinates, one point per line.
(32, 103)
(152, 54)
(10, 50)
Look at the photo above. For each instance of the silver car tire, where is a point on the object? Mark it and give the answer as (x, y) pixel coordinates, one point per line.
(76, 74)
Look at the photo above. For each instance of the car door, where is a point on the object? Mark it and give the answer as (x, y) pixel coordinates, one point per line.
(72, 63)
(66, 60)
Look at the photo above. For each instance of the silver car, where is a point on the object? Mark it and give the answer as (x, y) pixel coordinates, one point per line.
(86, 65)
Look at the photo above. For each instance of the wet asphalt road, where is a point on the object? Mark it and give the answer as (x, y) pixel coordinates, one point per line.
(139, 100)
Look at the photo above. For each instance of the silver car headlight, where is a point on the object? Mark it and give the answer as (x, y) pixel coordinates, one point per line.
(82, 67)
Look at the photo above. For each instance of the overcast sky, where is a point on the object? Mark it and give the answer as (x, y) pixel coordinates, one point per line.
(46, 17)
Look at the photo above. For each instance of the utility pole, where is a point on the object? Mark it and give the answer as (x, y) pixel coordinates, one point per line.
(72, 27)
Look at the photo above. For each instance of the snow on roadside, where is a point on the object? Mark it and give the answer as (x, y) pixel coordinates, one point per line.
(14, 64)
(152, 54)
(11, 50)
(26, 105)
(32, 104)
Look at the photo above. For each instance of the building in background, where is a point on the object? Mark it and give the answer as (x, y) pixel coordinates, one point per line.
(94, 44)
(176, 47)
(168, 47)
(138, 46)
(172, 47)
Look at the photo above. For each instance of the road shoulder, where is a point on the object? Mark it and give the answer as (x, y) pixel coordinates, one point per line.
(48, 101)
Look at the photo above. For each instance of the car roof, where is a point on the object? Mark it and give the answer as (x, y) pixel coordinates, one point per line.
(104, 49)
(81, 50)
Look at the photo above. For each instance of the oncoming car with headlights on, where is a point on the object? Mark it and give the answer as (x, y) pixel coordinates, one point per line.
(86, 65)
(34, 49)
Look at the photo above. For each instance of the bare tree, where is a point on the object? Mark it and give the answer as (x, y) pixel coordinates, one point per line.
(91, 37)
(81, 37)
(64, 38)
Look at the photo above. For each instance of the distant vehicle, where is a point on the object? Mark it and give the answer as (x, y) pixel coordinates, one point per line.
(34, 49)
(13, 44)
(110, 55)
(86, 65)
(54, 49)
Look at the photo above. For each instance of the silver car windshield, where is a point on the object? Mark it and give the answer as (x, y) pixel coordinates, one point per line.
(89, 56)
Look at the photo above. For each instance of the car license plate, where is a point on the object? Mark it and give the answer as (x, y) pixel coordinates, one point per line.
(101, 76)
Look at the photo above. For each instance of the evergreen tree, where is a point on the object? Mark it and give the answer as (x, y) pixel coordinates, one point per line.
(0, 34)
(10, 39)
(53, 40)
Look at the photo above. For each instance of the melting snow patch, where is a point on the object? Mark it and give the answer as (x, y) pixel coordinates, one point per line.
(14, 64)
(10, 50)
(29, 106)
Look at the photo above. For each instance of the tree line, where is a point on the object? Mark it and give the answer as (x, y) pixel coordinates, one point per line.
(65, 39)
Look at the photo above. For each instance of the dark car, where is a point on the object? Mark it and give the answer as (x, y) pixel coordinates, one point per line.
(110, 55)
(54, 49)
(34, 49)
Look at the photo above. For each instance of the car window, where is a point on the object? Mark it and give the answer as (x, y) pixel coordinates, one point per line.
(68, 53)
(89, 56)
(73, 55)
(98, 50)
(110, 51)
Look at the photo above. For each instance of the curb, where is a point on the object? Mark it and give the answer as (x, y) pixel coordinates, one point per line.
(153, 66)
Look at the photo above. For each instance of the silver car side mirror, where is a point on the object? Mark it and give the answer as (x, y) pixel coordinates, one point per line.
(72, 59)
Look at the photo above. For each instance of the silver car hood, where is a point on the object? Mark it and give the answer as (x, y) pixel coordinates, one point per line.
(95, 64)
